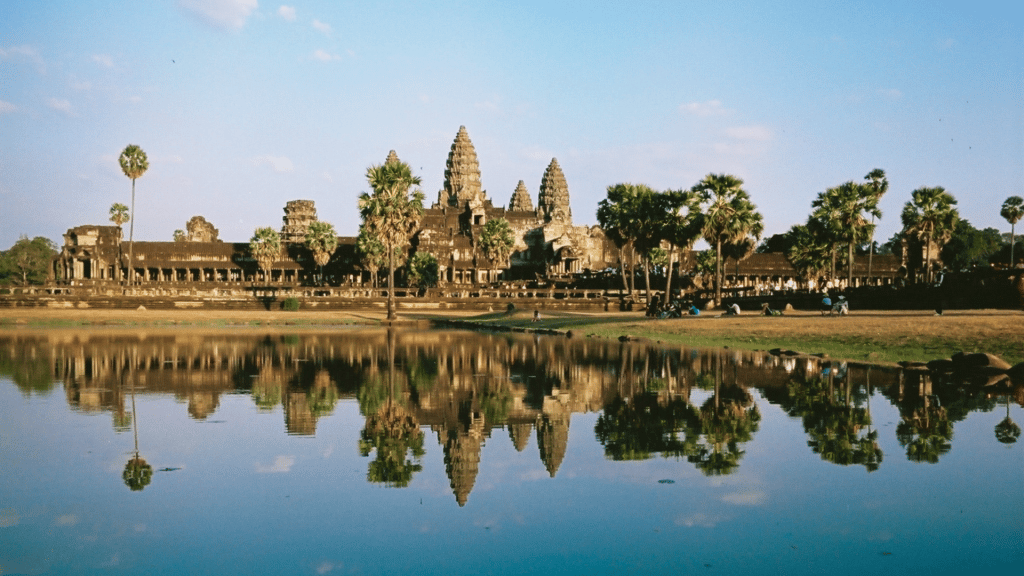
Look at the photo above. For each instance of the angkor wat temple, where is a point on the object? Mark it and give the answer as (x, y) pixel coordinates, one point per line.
(549, 250)
(546, 241)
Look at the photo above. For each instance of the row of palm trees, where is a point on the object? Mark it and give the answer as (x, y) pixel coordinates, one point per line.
(637, 218)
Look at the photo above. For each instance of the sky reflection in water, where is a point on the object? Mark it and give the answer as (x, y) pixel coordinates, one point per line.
(491, 454)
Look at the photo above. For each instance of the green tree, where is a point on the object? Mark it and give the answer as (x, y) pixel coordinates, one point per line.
(1012, 211)
(371, 254)
(391, 212)
(681, 225)
(28, 261)
(423, 270)
(497, 241)
(877, 185)
(930, 216)
(617, 216)
(134, 164)
(322, 240)
(810, 251)
(969, 246)
(844, 209)
(265, 246)
(180, 236)
(729, 217)
(119, 215)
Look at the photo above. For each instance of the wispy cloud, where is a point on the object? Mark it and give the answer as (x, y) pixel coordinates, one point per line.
(281, 464)
(755, 133)
(24, 52)
(325, 56)
(7, 107)
(322, 27)
(66, 520)
(703, 109)
(747, 498)
(60, 105)
(277, 163)
(699, 519)
(103, 60)
(225, 14)
(287, 12)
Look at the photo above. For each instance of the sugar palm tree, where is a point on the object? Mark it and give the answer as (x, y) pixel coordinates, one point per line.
(391, 212)
(371, 254)
(1012, 211)
(134, 164)
(930, 216)
(877, 185)
(265, 246)
(845, 209)
(119, 215)
(322, 240)
(729, 217)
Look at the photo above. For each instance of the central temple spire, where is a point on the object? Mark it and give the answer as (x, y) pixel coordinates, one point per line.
(462, 173)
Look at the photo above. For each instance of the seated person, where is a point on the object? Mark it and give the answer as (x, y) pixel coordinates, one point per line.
(732, 309)
(826, 305)
(694, 311)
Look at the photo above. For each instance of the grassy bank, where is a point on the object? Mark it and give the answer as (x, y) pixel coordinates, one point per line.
(882, 337)
(871, 336)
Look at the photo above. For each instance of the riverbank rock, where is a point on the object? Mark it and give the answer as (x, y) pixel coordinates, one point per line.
(968, 362)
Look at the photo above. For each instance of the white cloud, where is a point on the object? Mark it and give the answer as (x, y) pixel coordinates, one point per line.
(60, 105)
(755, 132)
(7, 107)
(281, 464)
(748, 498)
(709, 108)
(66, 520)
(26, 52)
(325, 56)
(277, 163)
(322, 27)
(287, 12)
(103, 60)
(227, 14)
(699, 519)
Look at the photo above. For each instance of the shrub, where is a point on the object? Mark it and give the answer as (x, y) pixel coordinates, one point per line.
(290, 304)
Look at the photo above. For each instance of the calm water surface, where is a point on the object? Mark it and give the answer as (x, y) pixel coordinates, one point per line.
(366, 451)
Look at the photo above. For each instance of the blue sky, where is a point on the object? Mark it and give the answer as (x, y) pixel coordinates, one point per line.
(242, 105)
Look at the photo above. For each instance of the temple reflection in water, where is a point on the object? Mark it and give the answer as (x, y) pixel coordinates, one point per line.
(692, 405)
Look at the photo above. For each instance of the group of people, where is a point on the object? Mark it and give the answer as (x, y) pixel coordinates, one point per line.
(840, 306)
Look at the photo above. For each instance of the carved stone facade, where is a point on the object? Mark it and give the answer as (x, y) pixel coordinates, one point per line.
(298, 215)
(199, 230)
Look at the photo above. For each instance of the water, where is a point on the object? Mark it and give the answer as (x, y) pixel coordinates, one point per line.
(363, 451)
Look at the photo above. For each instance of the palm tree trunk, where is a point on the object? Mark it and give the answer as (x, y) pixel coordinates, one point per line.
(668, 276)
(131, 238)
(849, 270)
(1011, 243)
(871, 246)
(718, 273)
(391, 283)
(928, 260)
(647, 278)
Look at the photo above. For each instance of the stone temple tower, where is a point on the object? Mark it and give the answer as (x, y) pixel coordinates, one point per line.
(553, 202)
(521, 201)
(298, 215)
(461, 174)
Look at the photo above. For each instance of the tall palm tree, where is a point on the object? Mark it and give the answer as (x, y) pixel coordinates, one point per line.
(391, 212)
(134, 164)
(681, 225)
(371, 253)
(877, 186)
(845, 208)
(617, 215)
(322, 240)
(119, 215)
(930, 216)
(265, 246)
(810, 253)
(1013, 210)
(729, 216)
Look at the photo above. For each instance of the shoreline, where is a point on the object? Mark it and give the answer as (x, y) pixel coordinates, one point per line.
(873, 336)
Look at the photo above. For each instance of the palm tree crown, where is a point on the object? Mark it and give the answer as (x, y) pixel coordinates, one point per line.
(322, 240)
(265, 246)
(729, 217)
(930, 216)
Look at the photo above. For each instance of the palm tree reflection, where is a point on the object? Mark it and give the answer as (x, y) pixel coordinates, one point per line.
(137, 472)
